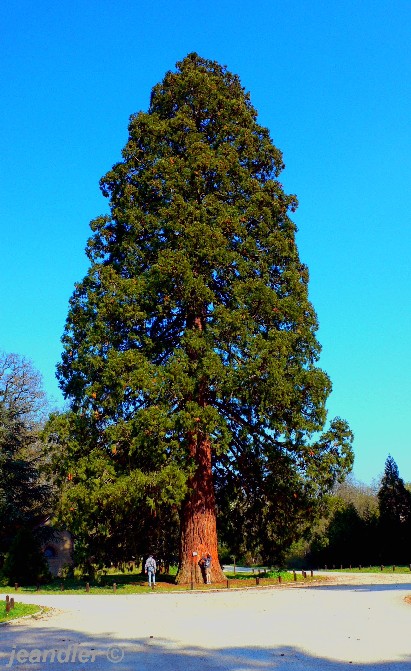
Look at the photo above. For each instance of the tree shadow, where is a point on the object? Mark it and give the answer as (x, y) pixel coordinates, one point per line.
(73, 650)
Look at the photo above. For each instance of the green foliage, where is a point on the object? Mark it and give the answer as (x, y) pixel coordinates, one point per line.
(395, 515)
(114, 510)
(194, 321)
(25, 496)
(25, 562)
(362, 497)
(365, 526)
(19, 610)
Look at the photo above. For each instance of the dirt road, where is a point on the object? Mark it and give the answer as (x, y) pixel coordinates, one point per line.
(355, 622)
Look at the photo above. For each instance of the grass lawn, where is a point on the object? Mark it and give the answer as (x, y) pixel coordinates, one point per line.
(372, 569)
(19, 610)
(136, 583)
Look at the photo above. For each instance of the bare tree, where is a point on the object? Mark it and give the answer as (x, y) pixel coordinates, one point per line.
(21, 389)
(24, 491)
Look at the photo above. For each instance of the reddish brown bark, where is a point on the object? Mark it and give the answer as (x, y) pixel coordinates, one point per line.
(198, 523)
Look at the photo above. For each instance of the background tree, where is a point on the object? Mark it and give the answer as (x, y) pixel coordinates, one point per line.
(395, 516)
(363, 497)
(25, 496)
(265, 506)
(347, 534)
(190, 344)
(114, 514)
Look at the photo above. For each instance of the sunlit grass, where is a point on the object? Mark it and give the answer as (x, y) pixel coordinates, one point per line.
(371, 569)
(120, 583)
(19, 610)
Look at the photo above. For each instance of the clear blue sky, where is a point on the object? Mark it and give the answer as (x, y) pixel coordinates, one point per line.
(331, 80)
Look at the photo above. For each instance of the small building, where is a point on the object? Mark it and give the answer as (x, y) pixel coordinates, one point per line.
(58, 552)
(57, 547)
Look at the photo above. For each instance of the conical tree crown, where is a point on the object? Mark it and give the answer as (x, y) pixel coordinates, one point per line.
(393, 498)
(195, 305)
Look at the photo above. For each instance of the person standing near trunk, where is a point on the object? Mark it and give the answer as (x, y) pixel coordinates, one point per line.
(150, 568)
(205, 564)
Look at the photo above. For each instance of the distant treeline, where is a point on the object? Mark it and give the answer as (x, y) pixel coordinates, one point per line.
(366, 525)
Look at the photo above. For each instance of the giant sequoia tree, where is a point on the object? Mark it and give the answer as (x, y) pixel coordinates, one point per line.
(190, 344)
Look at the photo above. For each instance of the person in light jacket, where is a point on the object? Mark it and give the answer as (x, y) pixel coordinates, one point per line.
(150, 568)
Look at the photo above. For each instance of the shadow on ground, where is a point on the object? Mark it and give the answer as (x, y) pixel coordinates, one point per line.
(45, 649)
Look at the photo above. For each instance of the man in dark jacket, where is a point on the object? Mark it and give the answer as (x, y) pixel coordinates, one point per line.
(207, 568)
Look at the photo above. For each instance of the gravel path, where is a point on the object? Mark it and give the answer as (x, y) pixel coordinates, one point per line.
(358, 621)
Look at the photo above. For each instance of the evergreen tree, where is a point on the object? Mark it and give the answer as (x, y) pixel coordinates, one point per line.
(190, 344)
(395, 516)
(114, 511)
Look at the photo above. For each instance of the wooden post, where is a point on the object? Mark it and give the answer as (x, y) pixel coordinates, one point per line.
(114, 587)
(16, 586)
(279, 580)
(228, 583)
(192, 584)
(257, 579)
(295, 576)
(393, 568)
(312, 573)
(382, 568)
(62, 587)
(87, 586)
(11, 603)
(7, 604)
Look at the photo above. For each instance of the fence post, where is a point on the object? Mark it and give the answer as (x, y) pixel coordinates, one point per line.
(12, 603)
(228, 583)
(7, 604)
(114, 587)
(87, 586)
(393, 568)
(295, 576)
(279, 580)
(257, 579)
(16, 586)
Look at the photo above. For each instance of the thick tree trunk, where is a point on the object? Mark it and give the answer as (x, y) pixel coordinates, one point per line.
(198, 520)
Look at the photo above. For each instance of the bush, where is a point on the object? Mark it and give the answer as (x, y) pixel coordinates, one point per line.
(25, 562)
